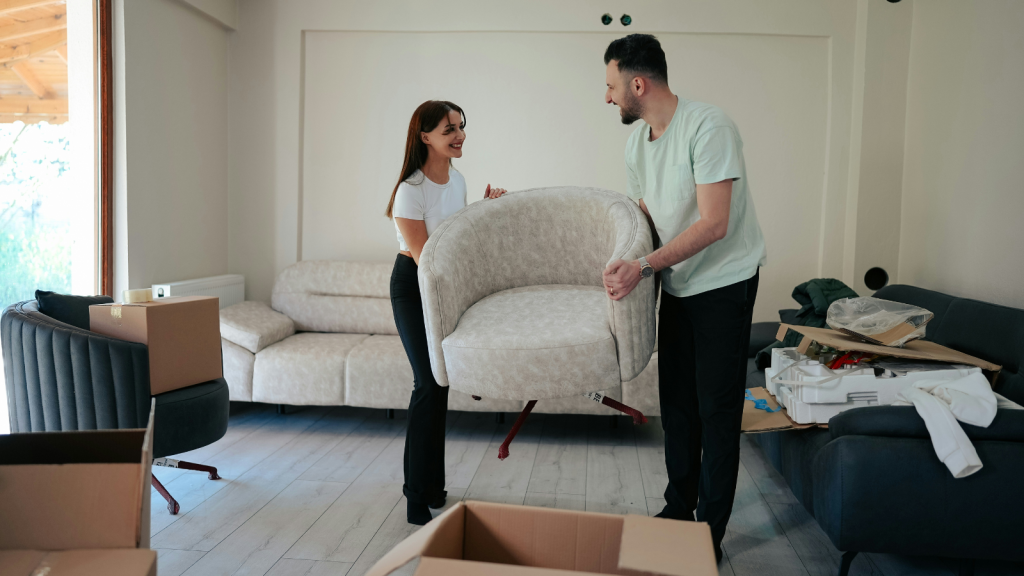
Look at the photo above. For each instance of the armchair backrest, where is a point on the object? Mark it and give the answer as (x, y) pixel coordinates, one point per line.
(60, 377)
(561, 235)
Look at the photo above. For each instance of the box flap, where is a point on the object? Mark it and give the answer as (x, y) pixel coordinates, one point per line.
(916, 350)
(146, 479)
(442, 537)
(19, 562)
(70, 490)
(117, 562)
(668, 547)
(448, 567)
(756, 420)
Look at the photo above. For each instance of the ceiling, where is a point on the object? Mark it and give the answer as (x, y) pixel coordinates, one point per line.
(33, 61)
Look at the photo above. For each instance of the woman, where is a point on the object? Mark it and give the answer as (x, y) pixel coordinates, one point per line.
(429, 191)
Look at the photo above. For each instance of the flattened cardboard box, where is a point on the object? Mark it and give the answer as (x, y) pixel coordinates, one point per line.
(502, 539)
(119, 562)
(915, 350)
(756, 420)
(182, 334)
(76, 490)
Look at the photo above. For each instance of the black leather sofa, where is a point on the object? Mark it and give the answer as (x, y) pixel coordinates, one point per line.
(872, 480)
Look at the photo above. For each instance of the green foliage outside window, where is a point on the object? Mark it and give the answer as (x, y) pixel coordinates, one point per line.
(36, 211)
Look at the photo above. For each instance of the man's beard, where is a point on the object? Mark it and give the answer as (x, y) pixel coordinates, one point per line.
(631, 109)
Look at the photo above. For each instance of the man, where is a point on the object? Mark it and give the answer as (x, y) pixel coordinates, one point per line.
(685, 167)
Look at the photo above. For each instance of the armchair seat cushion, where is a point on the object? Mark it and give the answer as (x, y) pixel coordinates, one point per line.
(534, 342)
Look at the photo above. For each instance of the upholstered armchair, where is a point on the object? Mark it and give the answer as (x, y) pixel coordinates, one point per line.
(62, 377)
(514, 303)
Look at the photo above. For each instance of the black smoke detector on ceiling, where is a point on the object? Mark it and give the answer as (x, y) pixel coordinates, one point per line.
(606, 19)
(626, 19)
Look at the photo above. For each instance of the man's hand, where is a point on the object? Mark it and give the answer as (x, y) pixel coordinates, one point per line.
(620, 278)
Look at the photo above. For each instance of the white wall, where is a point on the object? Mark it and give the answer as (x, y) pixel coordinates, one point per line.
(270, 86)
(536, 121)
(962, 193)
(171, 139)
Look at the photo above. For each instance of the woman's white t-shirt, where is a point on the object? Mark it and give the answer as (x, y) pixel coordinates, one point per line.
(418, 198)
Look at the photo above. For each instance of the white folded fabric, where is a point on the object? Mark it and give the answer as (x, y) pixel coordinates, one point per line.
(941, 403)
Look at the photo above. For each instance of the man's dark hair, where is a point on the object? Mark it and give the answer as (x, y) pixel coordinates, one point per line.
(639, 54)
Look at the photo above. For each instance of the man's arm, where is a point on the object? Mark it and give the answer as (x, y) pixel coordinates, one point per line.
(713, 201)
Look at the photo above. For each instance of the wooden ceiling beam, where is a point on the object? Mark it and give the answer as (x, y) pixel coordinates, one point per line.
(9, 6)
(37, 46)
(33, 118)
(29, 78)
(31, 106)
(18, 30)
(62, 51)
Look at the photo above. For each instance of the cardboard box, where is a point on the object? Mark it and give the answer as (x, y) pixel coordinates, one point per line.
(78, 563)
(916, 350)
(183, 336)
(756, 420)
(502, 539)
(76, 490)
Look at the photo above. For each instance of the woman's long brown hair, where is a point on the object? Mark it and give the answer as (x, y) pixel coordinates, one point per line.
(426, 117)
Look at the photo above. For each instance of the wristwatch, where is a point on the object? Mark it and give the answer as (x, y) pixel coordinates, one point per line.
(646, 270)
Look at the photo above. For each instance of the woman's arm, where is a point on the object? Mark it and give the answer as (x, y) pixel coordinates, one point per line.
(415, 234)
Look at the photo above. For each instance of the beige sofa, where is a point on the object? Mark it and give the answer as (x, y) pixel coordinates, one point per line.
(328, 338)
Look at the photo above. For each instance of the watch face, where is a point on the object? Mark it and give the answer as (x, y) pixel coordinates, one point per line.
(647, 272)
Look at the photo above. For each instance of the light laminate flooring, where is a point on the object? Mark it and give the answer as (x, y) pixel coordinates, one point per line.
(318, 492)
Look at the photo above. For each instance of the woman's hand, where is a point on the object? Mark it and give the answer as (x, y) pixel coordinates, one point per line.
(493, 192)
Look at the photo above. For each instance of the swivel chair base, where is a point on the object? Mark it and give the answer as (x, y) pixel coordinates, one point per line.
(172, 504)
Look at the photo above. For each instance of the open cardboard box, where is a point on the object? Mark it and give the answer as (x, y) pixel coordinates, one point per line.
(182, 334)
(119, 562)
(506, 540)
(75, 490)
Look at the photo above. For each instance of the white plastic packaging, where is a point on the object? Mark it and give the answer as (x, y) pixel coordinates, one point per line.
(812, 393)
(878, 321)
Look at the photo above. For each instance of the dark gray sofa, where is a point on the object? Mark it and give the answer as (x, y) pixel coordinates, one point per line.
(872, 480)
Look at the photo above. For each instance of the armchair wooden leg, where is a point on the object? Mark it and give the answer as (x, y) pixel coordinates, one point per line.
(172, 504)
(844, 567)
(503, 450)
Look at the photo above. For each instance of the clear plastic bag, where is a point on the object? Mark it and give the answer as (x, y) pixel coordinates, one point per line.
(878, 321)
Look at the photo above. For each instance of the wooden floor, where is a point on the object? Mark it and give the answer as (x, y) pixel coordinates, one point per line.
(318, 492)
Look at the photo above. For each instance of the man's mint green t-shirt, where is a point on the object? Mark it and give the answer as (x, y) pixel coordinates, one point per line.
(700, 146)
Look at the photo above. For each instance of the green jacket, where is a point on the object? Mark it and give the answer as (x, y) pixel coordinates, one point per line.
(814, 297)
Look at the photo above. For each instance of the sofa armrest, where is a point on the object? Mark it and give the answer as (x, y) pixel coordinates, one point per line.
(254, 325)
(762, 335)
(904, 422)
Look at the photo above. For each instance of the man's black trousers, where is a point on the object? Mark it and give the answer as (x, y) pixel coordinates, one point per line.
(702, 359)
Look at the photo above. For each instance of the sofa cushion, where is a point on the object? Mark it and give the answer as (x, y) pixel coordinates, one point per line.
(378, 375)
(73, 310)
(534, 342)
(254, 326)
(304, 369)
(990, 332)
(331, 296)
